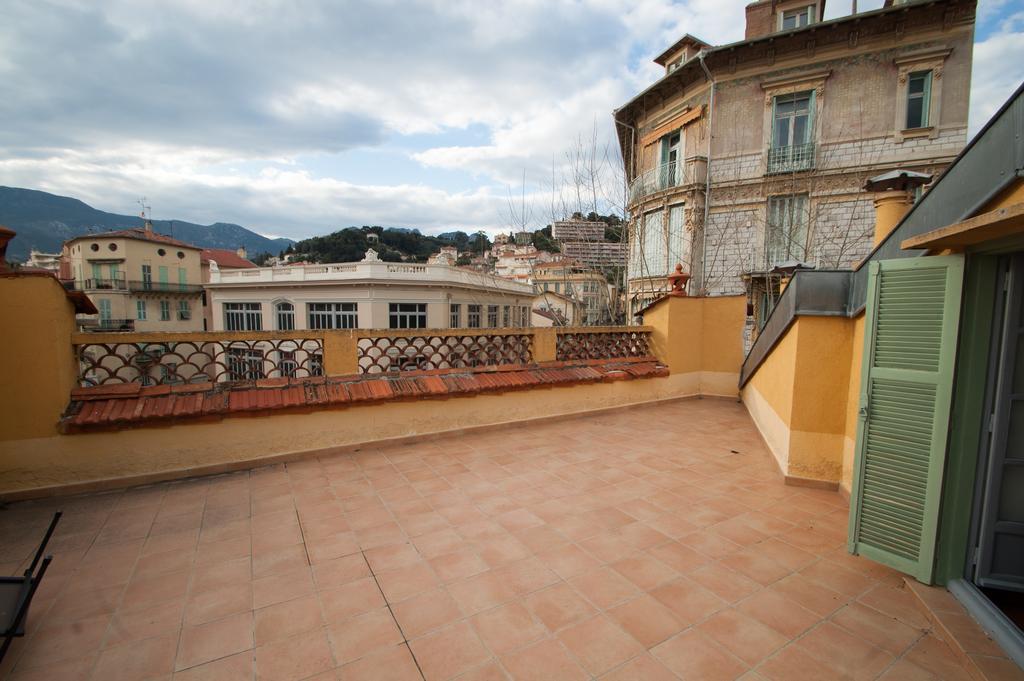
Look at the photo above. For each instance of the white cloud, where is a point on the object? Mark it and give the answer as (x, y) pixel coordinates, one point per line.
(998, 69)
(208, 106)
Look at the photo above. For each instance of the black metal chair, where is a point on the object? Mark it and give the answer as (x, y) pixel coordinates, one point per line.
(16, 592)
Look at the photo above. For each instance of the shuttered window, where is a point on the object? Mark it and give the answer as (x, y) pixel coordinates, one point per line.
(911, 322)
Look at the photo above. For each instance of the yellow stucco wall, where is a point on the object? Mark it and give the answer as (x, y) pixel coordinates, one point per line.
(852, 403)
(702, 335)
(768, 395)
(38, 460)
(35, 342)
(798, 398)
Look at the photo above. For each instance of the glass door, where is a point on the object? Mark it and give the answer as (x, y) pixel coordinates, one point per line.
(1000, 557)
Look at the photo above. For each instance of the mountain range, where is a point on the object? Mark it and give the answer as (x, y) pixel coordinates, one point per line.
(45, 221)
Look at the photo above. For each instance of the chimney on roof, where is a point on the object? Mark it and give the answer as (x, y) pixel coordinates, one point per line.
(893, 198)
(241, 252)
(759, 19)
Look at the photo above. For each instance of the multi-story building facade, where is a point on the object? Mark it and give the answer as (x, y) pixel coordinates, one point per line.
(370, 294)
(43, 261)
(571, 278)
(584, 240)
(516, 262)
(220, 259)
(750, 155)
(138, 280)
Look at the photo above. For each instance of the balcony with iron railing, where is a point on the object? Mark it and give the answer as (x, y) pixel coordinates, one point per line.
(136, 286)
(101, 285)
(667, 176)
(101, 325)
(794, 158)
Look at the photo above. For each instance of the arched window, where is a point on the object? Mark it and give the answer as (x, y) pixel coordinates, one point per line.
(285, 316)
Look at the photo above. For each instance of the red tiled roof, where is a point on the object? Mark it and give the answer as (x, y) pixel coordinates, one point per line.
(136, 233)
(131, 404)
(225, 258)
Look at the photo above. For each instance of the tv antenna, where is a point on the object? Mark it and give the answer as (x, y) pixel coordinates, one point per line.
(146, 210)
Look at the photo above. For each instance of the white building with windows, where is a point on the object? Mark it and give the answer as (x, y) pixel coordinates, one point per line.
(370, 294)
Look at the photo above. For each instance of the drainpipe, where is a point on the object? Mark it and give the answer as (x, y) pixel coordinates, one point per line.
(707, 179)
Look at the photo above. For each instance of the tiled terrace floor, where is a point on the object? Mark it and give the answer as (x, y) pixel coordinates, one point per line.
(643, 544)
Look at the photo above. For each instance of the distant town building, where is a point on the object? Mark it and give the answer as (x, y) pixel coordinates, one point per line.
(448, 255)
(370, 294)
(44, 261)
(597, 254)
(524, 238)
(573, 279)
(790, 122)
(556, 309)
(221, 259)
(577, 229)
(516, 262)
(138, 280)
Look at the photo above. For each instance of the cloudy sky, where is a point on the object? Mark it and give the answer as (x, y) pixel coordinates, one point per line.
(297, 117)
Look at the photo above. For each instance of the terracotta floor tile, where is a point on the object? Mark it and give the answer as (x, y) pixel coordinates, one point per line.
(59, 641)
(481, 592)
(68, 670)
(599, 644)
(688, 601)
(214, 604)
(604, 587)
(692, 655)
(407, 581)
(380, 535)
(896, 602)
(558, 606)
(425, 612)
(743, 636)
(934, 656)
(462, 563)
(352, 599)
(640, 668)
(501, 550)
(287, 619)
(645, 571)
(206, 642)
(997, 668)
(138, 660)
(438, 543)
(884, 631)
(362, 635)
(233, 668)
(526, 576)
(543, 661)
(149, 591)
(141, 624)
(779, 612)
(646, 620)
(755, 566)
(222, 574)
(839, 579)
(332, 546)
(448, 652)
(508, 627)
(334, 573)
(819, 599)
(282, 587)
(279, 561)
(792, 663)
(388, 664)
(679, 557)
(848, 653)
(724, 583)
(292, 659)
(568, 561)
(392, 556)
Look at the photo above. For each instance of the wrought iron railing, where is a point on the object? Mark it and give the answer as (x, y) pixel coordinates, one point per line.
(604, 344)
(223, 357)
(175, 362)
(163, 287)
(791, 159)
(667, 176)
(102, 285)
(384, 354)
(104, 325)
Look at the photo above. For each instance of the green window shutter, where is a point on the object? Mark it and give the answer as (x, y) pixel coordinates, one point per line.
(910, 335)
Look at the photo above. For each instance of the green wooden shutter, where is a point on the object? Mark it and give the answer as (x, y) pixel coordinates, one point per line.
(910, 334)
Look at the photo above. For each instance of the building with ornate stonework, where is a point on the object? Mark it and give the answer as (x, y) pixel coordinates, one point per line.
(750, 155)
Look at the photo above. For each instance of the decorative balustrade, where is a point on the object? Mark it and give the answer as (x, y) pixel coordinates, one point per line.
(604, 344)
(443, 351)
(667, 176)
(223, 357)
(176, 362)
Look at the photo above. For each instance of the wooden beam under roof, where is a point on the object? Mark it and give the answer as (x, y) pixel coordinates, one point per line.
(995, 224)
